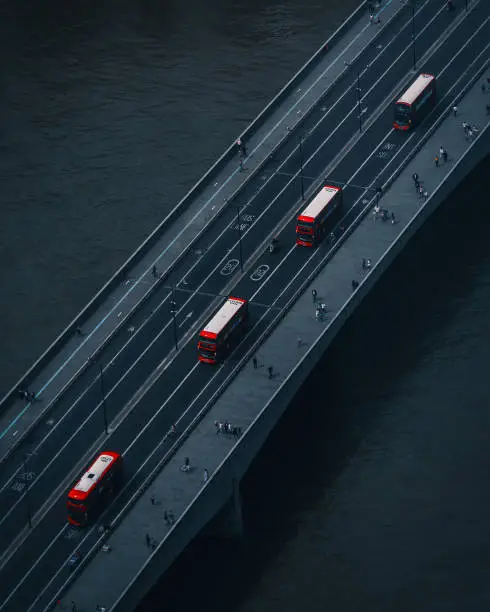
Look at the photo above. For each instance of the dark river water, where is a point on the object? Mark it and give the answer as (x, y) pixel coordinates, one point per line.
(372, 493)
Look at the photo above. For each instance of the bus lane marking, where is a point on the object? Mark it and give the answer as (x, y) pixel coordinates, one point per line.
(229, 267)
(259, 273)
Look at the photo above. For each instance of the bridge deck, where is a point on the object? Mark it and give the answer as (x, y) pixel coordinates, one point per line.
(16, 420)
(104, 578)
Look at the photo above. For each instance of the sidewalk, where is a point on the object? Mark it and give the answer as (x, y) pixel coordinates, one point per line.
(97, 330)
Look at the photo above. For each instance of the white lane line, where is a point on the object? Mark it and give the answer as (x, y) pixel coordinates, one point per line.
(41, 556)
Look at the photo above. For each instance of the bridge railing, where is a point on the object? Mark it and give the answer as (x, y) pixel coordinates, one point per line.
(70, 330)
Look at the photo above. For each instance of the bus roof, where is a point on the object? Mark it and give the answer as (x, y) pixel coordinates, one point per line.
(318, 203)
(94, 473)
(221, 318)
(416, 88)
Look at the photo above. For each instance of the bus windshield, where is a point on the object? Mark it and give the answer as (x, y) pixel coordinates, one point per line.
(304, 228)
(402, 114)
(77, 512)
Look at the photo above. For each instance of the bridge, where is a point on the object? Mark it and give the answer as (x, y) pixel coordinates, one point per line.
(125, 371)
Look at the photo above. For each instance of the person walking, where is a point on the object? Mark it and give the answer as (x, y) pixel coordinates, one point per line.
(436, 161)
(255, 363)
(271, 372)
(242, 149)
(455, 111)
(444, 155)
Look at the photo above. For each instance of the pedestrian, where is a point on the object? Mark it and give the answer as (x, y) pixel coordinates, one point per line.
(154, 271)
(455, 110)
(205, 476)
(441, 152)
(171, 518)
(371, 18)
(242, 167)
(488, 109)
(450, 5)
(323, 308)
(300, 342)
(172, 430)
(74, 607)
(483, 87)
(318, 313)
(79, 331)
(393, 219)
(242, 150)
(314, 295)
(148, 540)
(415, 177)
(444, 155)
(271, 372)
(153, 500)
(355, 285)
(254, 361)
(426, 196)
(165, 517)
(436, 161)
(421, 191)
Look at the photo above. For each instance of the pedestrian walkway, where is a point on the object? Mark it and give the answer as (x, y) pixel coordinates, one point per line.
(84, 338)
(249, 400)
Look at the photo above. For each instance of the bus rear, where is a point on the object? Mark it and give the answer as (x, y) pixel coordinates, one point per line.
(415, 103)
(223, 331)
(314, 221)
(95, 488)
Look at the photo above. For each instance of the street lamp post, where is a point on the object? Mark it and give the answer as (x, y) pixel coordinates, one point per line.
(173, 310)
(413, 34)
(239, 237)
(359, 100)
(27, 494)
(301, 168)
(104, 407)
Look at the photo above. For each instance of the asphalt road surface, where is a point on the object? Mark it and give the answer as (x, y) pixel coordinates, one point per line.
(32, 572)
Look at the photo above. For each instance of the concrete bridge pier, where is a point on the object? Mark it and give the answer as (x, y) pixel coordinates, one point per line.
(228, 523)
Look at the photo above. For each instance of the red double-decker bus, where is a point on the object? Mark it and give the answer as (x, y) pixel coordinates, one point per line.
(415, 103)
(224, 330)
(314, 221)
(95, 488)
